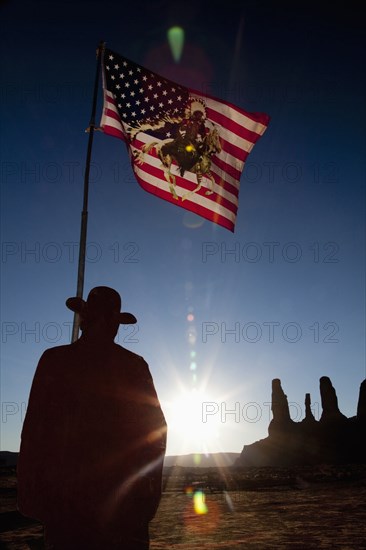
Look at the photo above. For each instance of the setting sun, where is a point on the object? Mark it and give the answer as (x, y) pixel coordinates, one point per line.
(187, 423)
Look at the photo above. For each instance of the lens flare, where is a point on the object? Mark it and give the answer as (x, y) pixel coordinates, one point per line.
(199, 503)
(197, 459)
(176, 42)
(192, 336)
(192, 221)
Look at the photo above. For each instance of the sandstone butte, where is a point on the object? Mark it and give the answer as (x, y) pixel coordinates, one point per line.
(333, 439)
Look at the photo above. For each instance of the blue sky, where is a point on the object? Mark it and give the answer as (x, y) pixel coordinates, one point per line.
(219, 314)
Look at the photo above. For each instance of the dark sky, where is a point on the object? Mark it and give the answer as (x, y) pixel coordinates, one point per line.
(282, 297)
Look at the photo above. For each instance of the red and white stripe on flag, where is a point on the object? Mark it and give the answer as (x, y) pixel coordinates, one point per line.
(217, 198)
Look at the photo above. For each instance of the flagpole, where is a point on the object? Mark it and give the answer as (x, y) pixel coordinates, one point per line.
(84, 214)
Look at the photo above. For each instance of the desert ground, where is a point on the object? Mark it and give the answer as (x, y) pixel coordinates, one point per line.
(305, 508)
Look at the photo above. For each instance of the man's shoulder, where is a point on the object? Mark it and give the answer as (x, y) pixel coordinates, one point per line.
(136, 364)
(69, 349)
(128, 354)
(56, 355)
(59, 350)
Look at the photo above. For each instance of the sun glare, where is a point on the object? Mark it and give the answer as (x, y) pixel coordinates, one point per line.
(189, 423)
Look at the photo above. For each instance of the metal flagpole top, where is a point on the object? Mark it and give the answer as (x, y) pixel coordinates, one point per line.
(84, 214)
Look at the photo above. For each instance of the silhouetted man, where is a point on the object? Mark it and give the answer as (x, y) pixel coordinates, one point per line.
(94, 437)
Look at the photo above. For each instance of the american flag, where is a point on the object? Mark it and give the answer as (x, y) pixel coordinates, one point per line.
(185, 147)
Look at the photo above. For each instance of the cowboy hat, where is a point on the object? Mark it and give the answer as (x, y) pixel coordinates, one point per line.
(101, 300)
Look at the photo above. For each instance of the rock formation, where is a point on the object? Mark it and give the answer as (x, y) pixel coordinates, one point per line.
(331, 412)
(361, 407)
(333, 439)
(309, 417)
